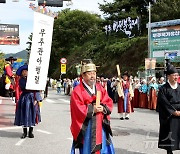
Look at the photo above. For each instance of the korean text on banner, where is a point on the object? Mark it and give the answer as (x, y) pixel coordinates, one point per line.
(40, 52)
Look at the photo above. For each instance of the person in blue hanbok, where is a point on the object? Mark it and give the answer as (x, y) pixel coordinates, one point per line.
(143, 99)
(27, 110)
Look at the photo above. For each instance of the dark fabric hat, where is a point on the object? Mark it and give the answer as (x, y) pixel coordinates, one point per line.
(10, 58)
(20, 69)
(171, 69)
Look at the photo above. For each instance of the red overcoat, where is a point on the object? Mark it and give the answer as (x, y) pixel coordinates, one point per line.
(81, 105)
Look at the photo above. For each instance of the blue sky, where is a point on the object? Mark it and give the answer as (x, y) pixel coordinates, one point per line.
(19, 13)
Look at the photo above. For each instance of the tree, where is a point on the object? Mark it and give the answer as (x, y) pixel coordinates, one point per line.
(121, 9)
(71, 30)
(79, 35)
(166, 10)
(161, 10)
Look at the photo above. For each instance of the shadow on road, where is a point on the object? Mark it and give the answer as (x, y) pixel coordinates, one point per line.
(124, 151)
(9, 134)
(120, 129)
(145, 111)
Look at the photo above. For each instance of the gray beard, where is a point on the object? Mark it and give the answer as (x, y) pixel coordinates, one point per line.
(91, 83)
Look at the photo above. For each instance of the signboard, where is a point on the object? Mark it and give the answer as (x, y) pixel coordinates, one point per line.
(53, 3)
(63, 68)
(40, 51)
(150, 63)
(9, 34)
(2, 1)
(63, 60)
(165, 40)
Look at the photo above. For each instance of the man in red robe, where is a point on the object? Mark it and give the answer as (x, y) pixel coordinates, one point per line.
(90, 125)
(9, 77)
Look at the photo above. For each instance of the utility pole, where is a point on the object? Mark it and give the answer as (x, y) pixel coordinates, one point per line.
(149, 38)
(166, 63)
(149, 32)
(149, 3)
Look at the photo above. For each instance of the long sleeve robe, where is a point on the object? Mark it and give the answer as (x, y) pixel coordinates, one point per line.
(81, 106)
(27, 112)
(167, 103)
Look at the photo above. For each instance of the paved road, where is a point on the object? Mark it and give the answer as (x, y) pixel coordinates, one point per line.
(6, 112)
(138, 135)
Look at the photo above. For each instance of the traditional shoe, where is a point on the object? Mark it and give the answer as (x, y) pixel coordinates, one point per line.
(127, 118)
(24, 135)
(31, 135)
(121, 118)
(169, 152)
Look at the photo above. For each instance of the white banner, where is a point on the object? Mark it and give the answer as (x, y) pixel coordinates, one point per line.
(40, 52)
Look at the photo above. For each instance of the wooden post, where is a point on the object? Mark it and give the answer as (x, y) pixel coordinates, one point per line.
(119, 85)
(118, 71)
(98, 96)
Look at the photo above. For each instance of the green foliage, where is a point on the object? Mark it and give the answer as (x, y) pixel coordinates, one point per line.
(160, 11)
(71, 30)
(166, 10)
(128, 53)
(78, 35)
(75, 27)
(121, 9)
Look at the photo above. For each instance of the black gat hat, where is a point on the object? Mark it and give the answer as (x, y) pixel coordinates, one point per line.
(171, 69)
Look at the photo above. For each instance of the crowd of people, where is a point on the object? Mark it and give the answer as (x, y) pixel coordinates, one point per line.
(90, 119)
(143, 93)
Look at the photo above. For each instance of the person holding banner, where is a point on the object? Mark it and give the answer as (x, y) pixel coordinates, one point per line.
(126, 94)
(27, 109)
(168, 106)
(90, 114)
